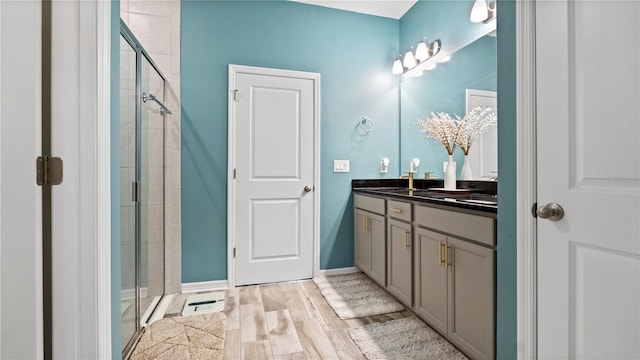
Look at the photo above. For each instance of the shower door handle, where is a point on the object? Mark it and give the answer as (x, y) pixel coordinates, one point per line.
(135, 191)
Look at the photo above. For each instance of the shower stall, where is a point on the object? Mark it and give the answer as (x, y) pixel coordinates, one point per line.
(142, 137)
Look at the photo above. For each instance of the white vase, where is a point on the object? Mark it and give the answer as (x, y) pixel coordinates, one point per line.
(450, 175)
(466, 169)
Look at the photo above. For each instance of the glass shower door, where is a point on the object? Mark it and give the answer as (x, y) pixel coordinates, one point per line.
(142, 93)
(128, 311)
(151, 172)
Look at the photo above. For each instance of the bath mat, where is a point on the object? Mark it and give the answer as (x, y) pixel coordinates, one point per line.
(356, 295)
(407, 338)
(204, 303)
(196, 337)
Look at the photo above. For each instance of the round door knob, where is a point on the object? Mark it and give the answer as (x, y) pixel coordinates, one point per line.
(307, 188)
(551, 211)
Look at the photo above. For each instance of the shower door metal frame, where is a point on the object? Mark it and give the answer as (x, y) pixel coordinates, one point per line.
(128, 36)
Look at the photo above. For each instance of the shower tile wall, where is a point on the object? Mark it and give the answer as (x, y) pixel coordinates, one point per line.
(156, 24)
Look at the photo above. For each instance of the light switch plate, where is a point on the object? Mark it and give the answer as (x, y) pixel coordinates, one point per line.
(341, 166)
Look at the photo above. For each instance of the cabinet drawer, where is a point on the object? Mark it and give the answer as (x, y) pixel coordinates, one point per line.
(474, 227)
(399, 210)
(369, 203)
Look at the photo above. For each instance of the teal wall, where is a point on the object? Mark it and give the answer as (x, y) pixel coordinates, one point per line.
(352, 52)
(443, 90)
(116, 337)
(507, 208)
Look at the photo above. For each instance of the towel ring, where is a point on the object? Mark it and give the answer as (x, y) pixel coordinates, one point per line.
(366, 124)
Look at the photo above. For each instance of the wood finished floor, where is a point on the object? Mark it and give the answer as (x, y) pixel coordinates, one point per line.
(289, 320)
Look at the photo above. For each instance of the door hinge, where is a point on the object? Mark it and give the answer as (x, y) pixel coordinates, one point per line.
(234, 253)
(48, 170)
(235, 95)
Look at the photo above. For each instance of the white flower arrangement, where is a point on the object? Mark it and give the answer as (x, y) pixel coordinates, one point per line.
(455, 131)
(442, 128)
(475, 123)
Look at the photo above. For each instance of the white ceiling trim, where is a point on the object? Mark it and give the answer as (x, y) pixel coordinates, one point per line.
(387, 8)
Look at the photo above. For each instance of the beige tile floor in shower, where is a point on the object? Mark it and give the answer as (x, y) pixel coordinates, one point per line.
(288, 320)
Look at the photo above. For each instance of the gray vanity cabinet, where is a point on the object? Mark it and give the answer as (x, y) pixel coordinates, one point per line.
(431, 278)
(455, 278)
(370, 237)
(471, 298)
(400, 251)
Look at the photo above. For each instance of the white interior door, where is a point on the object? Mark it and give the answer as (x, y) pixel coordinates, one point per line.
(274, 117)
(21, 296)
(588, 97)
(484, 152)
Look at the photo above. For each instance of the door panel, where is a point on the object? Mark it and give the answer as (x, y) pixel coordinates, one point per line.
(589, 163)
(399, 260)
(21, 228)
(471, 297)
(431, 278)
(128, 307)
(265, 231)
(274, 162)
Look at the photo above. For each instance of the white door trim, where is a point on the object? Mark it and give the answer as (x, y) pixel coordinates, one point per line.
(81, 206)
(315, 77)
(526, 179)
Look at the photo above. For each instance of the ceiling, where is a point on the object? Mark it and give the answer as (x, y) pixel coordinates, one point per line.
(388, 8)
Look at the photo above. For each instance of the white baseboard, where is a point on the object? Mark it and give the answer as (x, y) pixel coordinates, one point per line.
(339, 271)
(195, 287)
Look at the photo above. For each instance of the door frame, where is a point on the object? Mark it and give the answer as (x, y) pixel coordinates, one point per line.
(231, 153)
(81, 135)
(526, 184)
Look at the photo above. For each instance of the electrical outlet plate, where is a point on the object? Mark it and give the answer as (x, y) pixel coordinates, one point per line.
(341, 166)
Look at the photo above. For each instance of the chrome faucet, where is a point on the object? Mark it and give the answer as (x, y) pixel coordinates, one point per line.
(410, 177)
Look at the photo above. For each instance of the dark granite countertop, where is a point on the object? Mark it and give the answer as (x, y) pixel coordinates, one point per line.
(469, 195)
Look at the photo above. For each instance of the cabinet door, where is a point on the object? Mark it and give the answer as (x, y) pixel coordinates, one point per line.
(378, 249)
(471, 298)
(430, 291)
(363, 240)
(399, 260)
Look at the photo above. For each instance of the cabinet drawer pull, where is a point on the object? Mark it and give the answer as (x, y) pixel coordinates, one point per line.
(400, 211)
(449, 255)
(406, 240)
(366, 223)
(441, 256)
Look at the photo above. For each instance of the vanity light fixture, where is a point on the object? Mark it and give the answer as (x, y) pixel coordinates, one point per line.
(415, 63)
(482, 11)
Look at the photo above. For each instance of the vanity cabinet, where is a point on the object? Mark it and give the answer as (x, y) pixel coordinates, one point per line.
(399, 251)
(370, 237)
(399, 259)
(455, 277)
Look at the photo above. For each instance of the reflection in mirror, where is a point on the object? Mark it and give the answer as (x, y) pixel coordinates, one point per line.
(444, 89)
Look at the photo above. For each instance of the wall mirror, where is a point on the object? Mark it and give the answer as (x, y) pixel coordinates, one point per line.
(466, 80)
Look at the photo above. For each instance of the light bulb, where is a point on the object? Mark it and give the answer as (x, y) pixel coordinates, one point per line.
(422, 50)
(397, 67)
(479, 11)
(409, 60)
